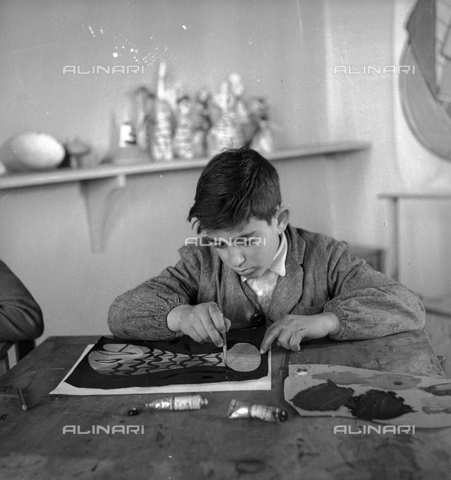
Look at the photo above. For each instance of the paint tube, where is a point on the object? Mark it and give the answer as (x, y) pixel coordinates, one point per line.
(190, 402)
(267, 413)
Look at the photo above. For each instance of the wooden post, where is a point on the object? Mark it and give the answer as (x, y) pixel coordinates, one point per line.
(395, 238)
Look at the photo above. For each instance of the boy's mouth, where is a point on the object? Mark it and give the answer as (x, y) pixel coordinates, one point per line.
(245, 272)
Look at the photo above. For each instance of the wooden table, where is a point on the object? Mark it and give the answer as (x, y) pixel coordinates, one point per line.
(205, 444)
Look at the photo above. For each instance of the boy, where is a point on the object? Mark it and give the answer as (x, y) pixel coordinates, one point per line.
(251, 267)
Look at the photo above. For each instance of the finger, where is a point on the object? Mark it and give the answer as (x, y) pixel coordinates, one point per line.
(203, 331)
(271, 334)
(191, 332)
(217, 317)
(284, 339)
(208, 328)
(227, 323)
(197, 324)
(296, 340)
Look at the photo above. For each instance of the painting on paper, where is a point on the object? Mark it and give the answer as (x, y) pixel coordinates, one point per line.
(115, 365)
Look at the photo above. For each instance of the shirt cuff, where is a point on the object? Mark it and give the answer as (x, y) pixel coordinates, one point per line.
(171, 304)
(343, 331)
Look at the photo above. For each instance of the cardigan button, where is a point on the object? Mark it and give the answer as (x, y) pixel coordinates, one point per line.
(257, 319)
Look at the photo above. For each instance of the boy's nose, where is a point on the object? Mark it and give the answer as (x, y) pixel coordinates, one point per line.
(236, 258)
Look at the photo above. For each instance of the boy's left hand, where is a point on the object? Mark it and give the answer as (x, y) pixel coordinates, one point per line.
(292, 329)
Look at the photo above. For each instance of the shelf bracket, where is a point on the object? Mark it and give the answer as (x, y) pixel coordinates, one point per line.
(97, 195)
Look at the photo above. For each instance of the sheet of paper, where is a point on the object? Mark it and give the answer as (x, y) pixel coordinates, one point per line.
(113, 366)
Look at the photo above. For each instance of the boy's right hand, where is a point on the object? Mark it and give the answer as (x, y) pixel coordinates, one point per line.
(203, 323)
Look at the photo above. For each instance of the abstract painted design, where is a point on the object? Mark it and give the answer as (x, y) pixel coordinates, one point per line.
(116, 363)
(126, 359)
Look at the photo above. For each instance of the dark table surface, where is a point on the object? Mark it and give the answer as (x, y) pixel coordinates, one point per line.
(204, 444)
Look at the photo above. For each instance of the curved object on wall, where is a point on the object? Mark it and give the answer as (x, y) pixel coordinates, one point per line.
(425, 75)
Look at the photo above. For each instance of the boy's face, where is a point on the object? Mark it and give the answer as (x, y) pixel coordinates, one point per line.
(250, 248)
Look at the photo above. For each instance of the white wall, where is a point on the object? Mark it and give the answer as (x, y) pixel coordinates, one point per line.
(284, 50)
(358, 35)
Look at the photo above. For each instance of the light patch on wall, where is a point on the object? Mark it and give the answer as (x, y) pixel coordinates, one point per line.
(94, 31)
(125, 47)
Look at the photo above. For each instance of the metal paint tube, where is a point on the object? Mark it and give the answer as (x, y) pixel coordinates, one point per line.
(189, 402)
(267, 413)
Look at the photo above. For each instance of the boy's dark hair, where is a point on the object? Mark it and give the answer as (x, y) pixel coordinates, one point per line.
(237, 184)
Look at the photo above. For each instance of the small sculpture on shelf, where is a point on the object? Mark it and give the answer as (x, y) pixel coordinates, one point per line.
(162, 122)
(202, 122)
(241, 108)
(168, 124)
(32, 151)
(262, 138)
(225, 132)
(183, 139)
(80, 154)
(144, 104)
(128, 152)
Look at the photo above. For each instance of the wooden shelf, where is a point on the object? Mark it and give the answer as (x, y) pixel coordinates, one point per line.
(21, 180)
(431, 194)
(98, 183)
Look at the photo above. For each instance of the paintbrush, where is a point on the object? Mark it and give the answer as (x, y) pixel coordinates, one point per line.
(224, 337)
(22, 399)
(224, 348)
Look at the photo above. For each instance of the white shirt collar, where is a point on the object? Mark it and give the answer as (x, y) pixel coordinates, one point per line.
(279, 260)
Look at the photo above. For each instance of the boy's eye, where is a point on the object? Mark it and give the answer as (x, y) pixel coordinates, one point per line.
(241, 242)
(237, 242)
(247, 242)
(254, 241)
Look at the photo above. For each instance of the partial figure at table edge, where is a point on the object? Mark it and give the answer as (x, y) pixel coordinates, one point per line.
(20, 315)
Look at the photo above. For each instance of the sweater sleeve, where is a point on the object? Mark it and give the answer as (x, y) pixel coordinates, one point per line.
(368, 303)
(141, 313)
(20, 315)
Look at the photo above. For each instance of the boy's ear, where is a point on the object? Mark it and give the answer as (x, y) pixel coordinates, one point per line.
(282, 217)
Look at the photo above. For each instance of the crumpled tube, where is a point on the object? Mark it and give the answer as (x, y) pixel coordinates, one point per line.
(267, 413)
